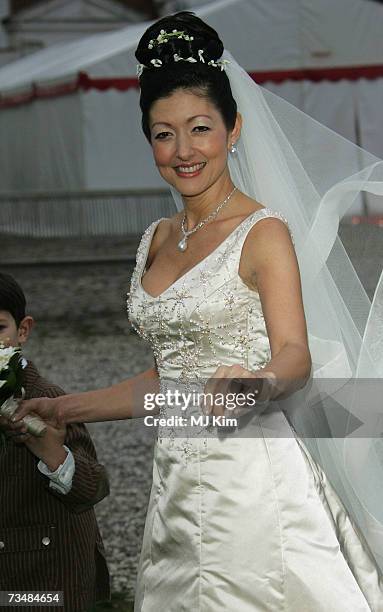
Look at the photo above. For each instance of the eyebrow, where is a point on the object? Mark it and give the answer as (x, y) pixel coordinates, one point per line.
(188, 121)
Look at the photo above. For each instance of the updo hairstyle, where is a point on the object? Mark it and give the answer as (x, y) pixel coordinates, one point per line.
(158, 82)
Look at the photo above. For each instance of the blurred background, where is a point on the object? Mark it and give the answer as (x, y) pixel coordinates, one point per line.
(78, 185)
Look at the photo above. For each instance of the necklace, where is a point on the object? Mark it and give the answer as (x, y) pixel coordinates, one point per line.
(183, 245)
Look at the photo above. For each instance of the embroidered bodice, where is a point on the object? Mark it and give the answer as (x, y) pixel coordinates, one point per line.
(206, 318)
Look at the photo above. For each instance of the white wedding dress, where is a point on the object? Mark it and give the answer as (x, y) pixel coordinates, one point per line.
(236, 524)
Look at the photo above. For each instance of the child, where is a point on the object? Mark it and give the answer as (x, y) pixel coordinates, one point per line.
(49, 537)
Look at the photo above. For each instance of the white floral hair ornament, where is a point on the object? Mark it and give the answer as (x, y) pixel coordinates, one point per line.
(178, 58)
(164, 37)
(219, 64)
(156, 62)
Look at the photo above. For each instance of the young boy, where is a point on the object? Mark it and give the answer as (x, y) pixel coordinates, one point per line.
(49, 537)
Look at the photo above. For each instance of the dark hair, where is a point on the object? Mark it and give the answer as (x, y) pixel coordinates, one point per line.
(208, 81)
(12, 298)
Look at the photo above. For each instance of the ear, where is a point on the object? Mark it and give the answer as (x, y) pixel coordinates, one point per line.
(24, 329)
(235, 134)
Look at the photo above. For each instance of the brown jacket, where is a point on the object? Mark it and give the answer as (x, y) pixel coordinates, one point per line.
(51, 541)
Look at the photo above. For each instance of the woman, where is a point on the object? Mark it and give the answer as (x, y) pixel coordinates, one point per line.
(250, 522)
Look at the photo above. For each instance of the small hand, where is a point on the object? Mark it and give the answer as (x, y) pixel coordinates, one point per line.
(17, 432)
(49, 447)
(227, 379)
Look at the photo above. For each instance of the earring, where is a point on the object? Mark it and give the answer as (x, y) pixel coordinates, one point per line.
(233, 148)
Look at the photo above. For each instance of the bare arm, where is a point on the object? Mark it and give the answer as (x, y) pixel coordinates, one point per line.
(269, 264)
(121, 401)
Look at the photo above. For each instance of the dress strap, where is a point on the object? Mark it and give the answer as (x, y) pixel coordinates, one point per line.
(142, 253)
(258, 215)
(265, 213)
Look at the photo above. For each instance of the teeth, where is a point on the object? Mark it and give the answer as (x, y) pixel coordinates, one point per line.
(190, 169)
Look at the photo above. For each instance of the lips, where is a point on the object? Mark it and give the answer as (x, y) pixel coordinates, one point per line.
(190, 170)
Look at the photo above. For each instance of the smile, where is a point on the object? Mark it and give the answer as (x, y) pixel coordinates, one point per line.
(190, 170)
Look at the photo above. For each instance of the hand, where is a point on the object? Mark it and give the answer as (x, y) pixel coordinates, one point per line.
(17, 432)
(46, 408)
(227, 379)
(49, 448)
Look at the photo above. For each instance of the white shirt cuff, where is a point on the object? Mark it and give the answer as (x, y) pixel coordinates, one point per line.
(61, 479)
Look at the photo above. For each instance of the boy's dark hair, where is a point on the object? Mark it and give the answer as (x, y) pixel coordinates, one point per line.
(198, 77)
(12, 298)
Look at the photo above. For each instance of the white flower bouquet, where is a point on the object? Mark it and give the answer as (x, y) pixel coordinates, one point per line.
(12, 364)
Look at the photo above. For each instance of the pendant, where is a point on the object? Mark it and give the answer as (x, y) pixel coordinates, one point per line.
(183, 245)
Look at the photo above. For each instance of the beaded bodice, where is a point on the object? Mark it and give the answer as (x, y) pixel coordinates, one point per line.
(208, 317)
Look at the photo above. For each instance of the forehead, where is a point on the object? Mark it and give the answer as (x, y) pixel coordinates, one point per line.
(5, 316)
(180, 106)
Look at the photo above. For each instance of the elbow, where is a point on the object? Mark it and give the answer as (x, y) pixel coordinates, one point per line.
(306, 367)
(303, 363)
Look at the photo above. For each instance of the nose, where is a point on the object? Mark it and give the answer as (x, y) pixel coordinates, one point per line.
(184, 149)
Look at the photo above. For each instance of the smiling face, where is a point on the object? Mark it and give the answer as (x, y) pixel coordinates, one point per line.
(190, 141)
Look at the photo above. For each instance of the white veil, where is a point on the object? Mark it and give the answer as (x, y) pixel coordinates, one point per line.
(277, 164)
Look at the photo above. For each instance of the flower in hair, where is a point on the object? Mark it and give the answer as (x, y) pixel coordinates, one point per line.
(219, 64)
(164, 37)
(178, 58)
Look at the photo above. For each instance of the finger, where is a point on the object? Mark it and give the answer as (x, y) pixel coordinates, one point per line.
(19, 426)
(24, 408)
(220, 390)
(219, 373)
(21, 439)
(212, 388)
(244, 388)
(219, 407)
(214, 391)
(245, 384)
(17, 434)
(222, 387)
(15, 429)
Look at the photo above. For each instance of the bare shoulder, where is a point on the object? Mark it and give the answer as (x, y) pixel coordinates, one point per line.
(268, 229)
(268, 246)
(161, 234)
(162, 230)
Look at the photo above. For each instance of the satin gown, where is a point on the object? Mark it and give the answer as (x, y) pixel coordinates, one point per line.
(236, 524)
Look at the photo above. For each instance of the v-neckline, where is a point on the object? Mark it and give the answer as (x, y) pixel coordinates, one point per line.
(193, 268)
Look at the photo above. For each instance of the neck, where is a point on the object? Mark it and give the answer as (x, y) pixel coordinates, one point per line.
(199, 206)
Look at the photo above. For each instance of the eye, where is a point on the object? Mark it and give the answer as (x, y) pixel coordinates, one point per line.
(162, 135)
(201, 128)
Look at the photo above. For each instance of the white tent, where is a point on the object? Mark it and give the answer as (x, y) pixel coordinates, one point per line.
(69, 117)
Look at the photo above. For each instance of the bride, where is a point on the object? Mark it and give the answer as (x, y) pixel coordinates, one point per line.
(228, 288)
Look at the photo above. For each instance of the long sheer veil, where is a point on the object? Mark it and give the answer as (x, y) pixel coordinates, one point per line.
(291, 163)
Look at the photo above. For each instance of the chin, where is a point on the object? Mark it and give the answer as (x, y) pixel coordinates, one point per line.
(190, 190)
(190, 187)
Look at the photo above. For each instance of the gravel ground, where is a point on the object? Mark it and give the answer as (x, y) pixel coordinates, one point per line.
(83, 341)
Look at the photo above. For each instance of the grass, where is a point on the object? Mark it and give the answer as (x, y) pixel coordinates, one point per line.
(118, 602)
